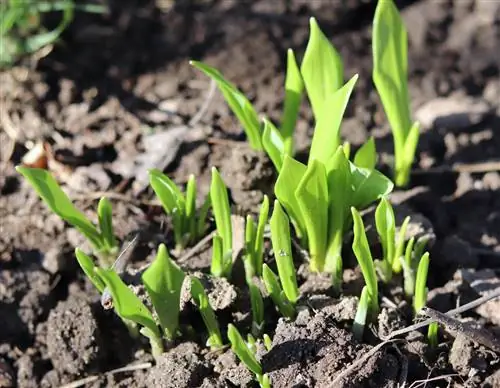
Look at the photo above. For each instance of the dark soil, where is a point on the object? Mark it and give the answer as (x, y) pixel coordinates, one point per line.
(116, 79)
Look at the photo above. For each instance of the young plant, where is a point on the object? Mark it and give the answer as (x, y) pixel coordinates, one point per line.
(254, 241)
(222, 253)
(163, 281)
(361, 317)
(21, 28)
(188, 224)
(390, 75)
(207, 313)
(101, 237)
(362, 252)
(129, 307)
(337, 184)
(420, 297)
(246, 356)
(410, 263)
(273, 287)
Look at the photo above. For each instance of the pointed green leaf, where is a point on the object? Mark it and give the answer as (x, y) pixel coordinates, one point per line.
(257, 304)
(222, 211)
(105, 216)
(362, 252)
(322, 69)
(294, 87)
(339, 193)
(400, 245)
(56, 199)
(239, 104)
(404, 163)
(202, 216)
(87, 265)
(368, 186)
(167, 192)
(366, 156)
(207, 313)
(163, 281)
(127, 304)
(240, 348)
(386, 229)
(288, 180)
(420, 297)
(259, 236)
(326, 137)
(277, 295)
(282, 247)
(217, 266)
(312, 197)
(191, 222)
(358, 326)
(273, 144)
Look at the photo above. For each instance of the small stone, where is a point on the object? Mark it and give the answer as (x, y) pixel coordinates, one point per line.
(453, 112)
(463, 357)
(54, 260)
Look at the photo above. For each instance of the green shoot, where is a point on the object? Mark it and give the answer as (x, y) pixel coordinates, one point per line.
(246, 356)
(400, 246)
(321, 69)
(257, 308)
(362, 252)
(390, 75)
(188, 226)
(361, 314)
(102, 241)
(129, 307)
(294, 88)
(268, 342)
(386, 229)
(163, 281)
(254, 241)
(222, 214)
(420, 297)
(285, 307)
(408, 264)
(207, 313)
(239, 104)
(282, 246)
(326, 138)
(87, 265)
(218, 265)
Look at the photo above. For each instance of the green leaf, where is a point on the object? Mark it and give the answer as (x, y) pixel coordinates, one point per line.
(420, 297)
(326, 137)
(368, 186)
(240, 348)
(105, 216)
(249, 257)
(257, 304)
(239, 104)
(312, 197)
(127, 304)
(339, 192)
(288, 180)
(362, 252)
(56, 199)
(163, 281)
(400, 245)
(282, 247)
(191, 222)
(390, 67)
(222, 211)
(259, 235)
(87, 265)
(386, 229)
(321, 69)
(273, 144)
(294, 88)
(405, 161)
(217, 267)
(277, 295)
(366, 156)
(207, 313)
(358, 326)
